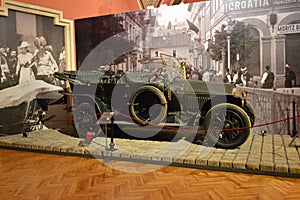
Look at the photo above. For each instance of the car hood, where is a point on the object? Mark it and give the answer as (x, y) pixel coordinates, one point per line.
(195, 86)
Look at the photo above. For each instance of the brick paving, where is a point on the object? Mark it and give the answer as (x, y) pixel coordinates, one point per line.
(264, 154)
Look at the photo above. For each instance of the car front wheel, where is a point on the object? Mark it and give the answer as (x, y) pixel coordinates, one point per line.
(227, 126)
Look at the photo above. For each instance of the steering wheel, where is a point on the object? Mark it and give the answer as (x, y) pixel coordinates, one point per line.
(155, 75)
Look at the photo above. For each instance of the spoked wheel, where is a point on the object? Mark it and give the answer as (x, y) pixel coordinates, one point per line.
(227, 125)
(85, 119)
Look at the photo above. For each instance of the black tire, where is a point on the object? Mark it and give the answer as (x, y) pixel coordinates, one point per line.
(148, 105)
(85, 119)
(226, 116)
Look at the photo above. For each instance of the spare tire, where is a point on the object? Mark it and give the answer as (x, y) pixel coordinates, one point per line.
(148, 105)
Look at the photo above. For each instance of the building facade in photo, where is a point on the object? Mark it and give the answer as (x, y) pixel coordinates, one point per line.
(274, 27)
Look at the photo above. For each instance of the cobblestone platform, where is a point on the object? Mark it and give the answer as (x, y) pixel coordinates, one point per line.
(269, 154)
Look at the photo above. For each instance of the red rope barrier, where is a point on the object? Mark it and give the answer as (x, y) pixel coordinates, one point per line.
(166, 127)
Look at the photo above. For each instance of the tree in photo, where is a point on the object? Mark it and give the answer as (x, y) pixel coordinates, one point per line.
(239, 43)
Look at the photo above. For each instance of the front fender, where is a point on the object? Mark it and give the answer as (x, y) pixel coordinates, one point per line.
(218, 100)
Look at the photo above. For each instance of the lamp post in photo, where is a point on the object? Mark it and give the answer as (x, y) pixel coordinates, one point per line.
(228, 31)
(238, 61)
(223, 60)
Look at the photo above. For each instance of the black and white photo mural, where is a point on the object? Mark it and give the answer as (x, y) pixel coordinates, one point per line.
(32, 48)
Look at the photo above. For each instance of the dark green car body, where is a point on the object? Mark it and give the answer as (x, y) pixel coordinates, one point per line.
(215, 109)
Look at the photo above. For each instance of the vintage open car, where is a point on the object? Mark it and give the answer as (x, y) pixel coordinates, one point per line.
(161, 99)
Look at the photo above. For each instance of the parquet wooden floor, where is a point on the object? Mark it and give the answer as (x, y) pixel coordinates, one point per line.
(28, 175)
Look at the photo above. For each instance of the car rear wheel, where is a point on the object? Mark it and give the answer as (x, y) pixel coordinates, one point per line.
(85, 119)
(227, 126)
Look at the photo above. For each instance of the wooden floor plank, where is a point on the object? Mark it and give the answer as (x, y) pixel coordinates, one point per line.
(28, 175)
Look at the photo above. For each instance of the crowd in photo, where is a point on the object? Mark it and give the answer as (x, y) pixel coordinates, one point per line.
(28, 62)
(243, 77)
(237, 77)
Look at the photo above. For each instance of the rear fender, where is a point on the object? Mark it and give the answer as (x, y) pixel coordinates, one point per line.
(100, 106)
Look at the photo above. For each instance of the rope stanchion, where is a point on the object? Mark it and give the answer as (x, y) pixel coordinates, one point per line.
(294, 132)
(288, 121)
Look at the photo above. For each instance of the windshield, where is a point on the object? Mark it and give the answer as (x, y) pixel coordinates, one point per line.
(173, 68)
